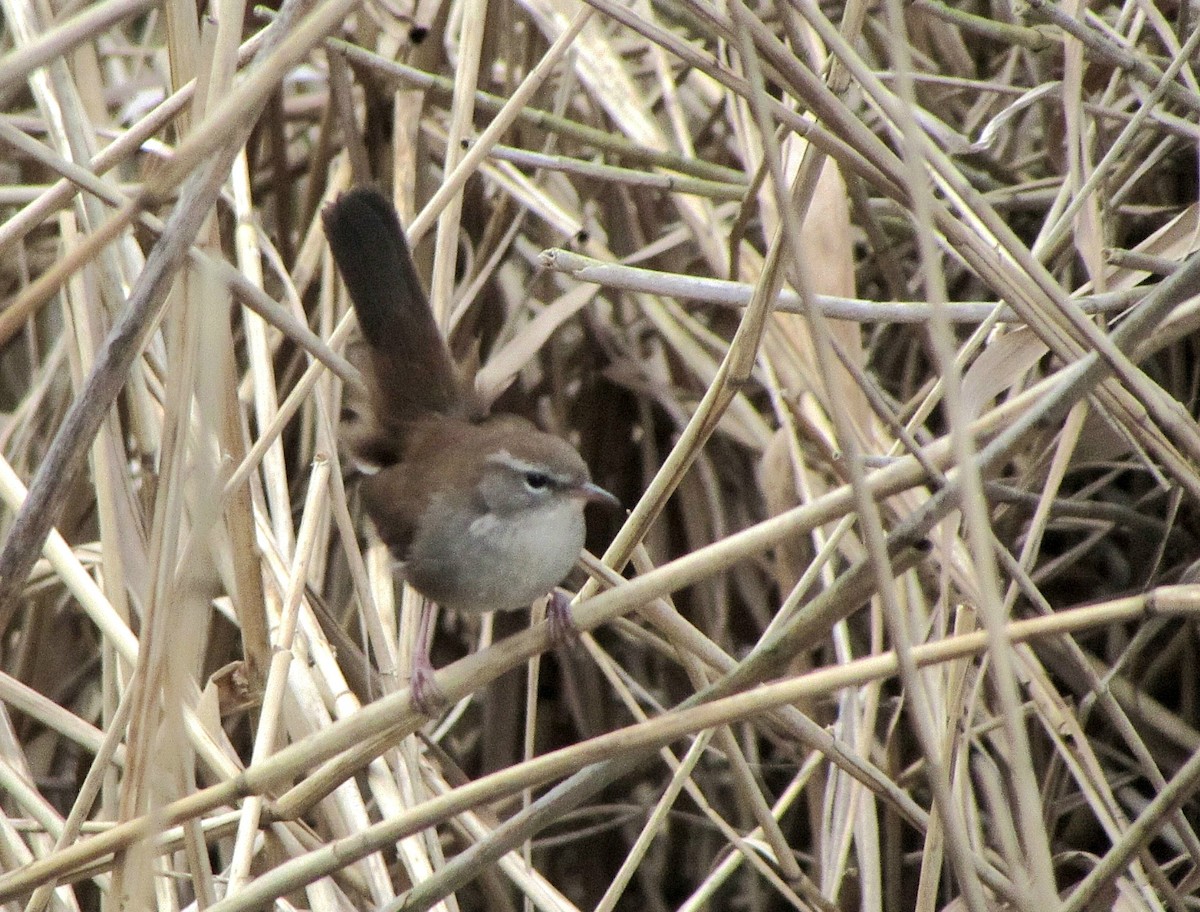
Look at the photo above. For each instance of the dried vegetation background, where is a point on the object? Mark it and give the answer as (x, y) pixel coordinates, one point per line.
(879, 318)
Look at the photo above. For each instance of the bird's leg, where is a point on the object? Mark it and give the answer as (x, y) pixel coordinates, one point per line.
(563, 631)
(427, 697)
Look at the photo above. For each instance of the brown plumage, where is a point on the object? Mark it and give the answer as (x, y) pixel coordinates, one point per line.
(481, 513)
(411, 372)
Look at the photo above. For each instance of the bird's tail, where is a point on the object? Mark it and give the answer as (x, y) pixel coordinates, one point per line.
(409, 370)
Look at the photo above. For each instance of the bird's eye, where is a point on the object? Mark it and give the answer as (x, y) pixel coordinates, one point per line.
(537, 481)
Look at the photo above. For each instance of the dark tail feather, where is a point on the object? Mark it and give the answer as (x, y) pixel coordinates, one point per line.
(411, 371)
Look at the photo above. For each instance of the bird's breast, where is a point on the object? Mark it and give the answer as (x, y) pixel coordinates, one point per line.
(494, 561)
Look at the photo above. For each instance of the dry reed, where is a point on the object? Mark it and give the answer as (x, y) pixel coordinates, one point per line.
(877, 316)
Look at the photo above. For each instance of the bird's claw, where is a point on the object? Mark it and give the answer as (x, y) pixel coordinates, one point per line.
(427, 697)
(563, 631)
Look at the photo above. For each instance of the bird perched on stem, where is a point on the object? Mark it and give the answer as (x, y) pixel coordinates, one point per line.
(481, 513)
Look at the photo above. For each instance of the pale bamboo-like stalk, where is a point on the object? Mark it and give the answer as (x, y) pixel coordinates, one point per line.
(882, 431)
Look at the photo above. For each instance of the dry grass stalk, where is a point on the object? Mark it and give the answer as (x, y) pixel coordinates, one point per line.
(879, 324)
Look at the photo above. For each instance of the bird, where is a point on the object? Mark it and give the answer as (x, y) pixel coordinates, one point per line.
(479, 512)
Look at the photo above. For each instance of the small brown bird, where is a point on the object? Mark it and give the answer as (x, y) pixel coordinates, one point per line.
(480, 513)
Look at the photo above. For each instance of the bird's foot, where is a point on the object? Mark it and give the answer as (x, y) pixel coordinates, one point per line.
(428, 699)
(563, 631)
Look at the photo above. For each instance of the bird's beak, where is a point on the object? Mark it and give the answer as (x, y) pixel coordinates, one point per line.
(593, 493)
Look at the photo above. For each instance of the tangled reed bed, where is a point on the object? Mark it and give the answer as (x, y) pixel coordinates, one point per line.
(878, 318)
